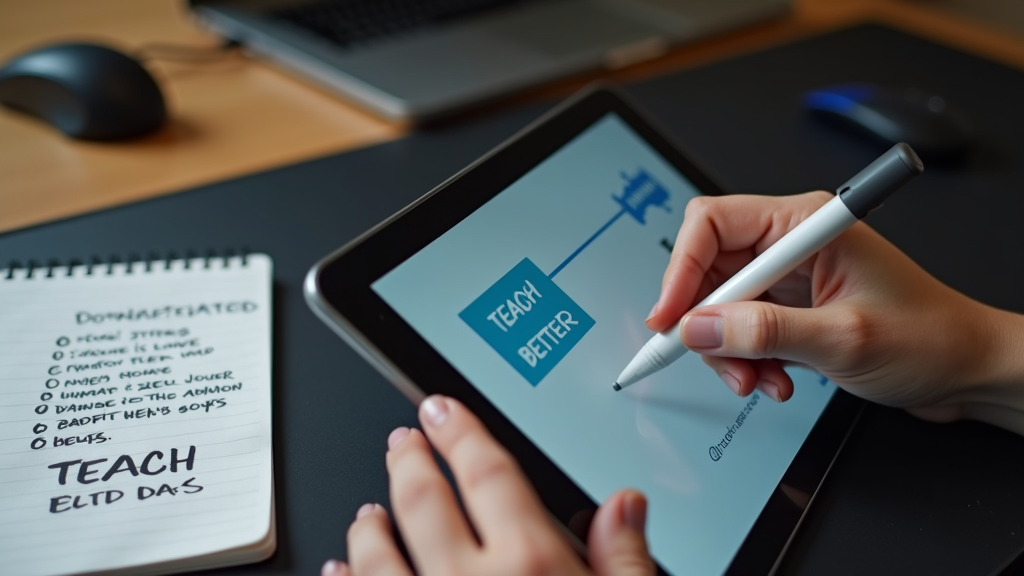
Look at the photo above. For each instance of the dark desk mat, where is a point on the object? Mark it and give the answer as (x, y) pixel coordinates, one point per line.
(905, 497)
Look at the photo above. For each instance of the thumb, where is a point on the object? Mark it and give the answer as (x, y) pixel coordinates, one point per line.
(616, 543)
(824, 337)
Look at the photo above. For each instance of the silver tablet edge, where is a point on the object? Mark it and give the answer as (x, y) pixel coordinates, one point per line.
(356, 339)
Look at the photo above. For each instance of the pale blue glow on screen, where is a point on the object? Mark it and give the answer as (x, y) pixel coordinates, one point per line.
(581, 237)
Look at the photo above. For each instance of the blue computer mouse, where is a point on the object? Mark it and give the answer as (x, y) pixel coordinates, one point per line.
(84, 90)
(925, 121)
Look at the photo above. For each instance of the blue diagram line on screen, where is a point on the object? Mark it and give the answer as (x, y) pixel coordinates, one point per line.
(531, 322)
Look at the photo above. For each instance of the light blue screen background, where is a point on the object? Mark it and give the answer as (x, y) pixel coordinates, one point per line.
(654, 436)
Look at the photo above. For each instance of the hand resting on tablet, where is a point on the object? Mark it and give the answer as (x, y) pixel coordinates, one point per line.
(860, 312)
(511, 532)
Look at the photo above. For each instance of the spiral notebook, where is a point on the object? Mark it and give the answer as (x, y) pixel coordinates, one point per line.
(135, 416)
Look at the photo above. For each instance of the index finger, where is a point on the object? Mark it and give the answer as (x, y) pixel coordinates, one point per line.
(497, 495)
(713, 226)
(427, 513)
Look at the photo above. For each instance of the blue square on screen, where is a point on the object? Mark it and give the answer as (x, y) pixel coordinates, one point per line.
(528, 320)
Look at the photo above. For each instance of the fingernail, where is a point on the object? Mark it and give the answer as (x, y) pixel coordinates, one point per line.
(364, 510)
(330, 568)
(434, 410)
(634, 512)
(731, 382)
(770, 389)
(703, 332)
(396, 436)
(654, 310)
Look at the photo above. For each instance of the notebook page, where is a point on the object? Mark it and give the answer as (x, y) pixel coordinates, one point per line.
(135, 414)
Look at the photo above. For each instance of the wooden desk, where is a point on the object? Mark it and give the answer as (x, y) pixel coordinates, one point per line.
(237, 115)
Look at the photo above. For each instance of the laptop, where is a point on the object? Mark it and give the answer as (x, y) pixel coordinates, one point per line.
(418, 60)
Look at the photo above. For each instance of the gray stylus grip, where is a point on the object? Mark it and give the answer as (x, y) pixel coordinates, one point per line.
(872, 185)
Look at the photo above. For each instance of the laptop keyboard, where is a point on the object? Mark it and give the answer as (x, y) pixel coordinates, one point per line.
(349, 23)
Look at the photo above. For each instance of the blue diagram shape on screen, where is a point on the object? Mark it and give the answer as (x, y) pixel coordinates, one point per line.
(642, 192)
(527, 318)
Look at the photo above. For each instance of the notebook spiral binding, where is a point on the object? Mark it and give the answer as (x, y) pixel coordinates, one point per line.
(134, 263)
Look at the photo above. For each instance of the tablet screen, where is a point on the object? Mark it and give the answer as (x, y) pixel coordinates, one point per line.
(539, 298)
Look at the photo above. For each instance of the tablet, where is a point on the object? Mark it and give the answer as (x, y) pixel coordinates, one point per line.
(520, 287)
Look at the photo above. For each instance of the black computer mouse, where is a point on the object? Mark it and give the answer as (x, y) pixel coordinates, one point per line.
(84, 90)
(925, 121)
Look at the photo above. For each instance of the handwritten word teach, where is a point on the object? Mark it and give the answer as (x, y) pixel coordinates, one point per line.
(148, 466)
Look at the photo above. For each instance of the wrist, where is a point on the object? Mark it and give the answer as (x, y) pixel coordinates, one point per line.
(996, 389)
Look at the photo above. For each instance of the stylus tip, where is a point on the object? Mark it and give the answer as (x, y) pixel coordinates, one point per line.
(616, 387)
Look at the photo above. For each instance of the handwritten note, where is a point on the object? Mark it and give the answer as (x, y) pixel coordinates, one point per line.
(135, 416)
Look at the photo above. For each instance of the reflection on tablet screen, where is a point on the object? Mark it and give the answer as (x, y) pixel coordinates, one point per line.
(539, 299)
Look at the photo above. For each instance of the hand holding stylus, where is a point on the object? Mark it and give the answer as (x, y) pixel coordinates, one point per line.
(854, 200)
(859, 311)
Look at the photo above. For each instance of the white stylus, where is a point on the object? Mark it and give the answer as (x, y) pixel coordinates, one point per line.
(854, 199)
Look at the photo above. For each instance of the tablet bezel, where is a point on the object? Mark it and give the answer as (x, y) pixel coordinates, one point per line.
(338, 289)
